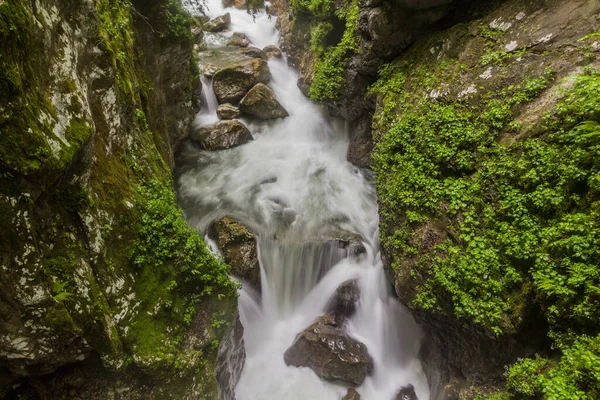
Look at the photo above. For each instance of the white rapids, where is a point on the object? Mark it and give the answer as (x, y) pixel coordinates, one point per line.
(293, 185)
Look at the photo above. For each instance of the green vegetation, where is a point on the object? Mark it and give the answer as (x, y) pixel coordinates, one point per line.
(330, 60)
(494, 215)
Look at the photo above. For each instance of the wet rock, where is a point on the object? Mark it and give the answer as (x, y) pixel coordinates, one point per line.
(233, 82)
(330, 352)
(407, 393)
(353, 245)
(261, 103)
(230, 360)
(218, 24)
(351, 394)
(239, 39)
(272, 51)
(238, 246)
(239, 4)
(221, 135)
(227, 111)
(253, 52)
(343, 302)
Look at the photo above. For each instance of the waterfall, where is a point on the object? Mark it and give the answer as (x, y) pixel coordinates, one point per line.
(293, 186)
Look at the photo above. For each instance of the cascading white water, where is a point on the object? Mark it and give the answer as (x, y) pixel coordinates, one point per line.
(293, 186)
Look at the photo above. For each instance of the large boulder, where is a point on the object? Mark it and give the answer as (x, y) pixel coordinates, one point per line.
(261, 103)
(233, 82)
(218, 24)
(228, 111)
(221, 135)
(330, 352)
(252, 52)
(238, 246)
(239, 40)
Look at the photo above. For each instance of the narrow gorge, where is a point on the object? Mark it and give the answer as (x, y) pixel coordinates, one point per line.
(300, 199)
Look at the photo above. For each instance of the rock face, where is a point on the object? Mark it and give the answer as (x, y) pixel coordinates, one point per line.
(218, 24)
(272, 51)
(330, 352)
(239, 40)
(261, 103)
(351, 394)
(238, 246)
(88, 139)
(232, 83)
(227, 111)
(221, 135)
(230, 360)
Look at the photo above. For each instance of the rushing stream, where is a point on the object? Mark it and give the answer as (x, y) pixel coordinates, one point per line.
(293, 186)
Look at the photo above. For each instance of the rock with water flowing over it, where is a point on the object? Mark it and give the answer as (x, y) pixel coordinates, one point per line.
(351, 244)
(232, 83)
(239, 40)
(407, 393)
(272, 51)
(221, 135)
(230, 360)
(261, 103)
(343, 302)
(218, 24)
(330, 352)
(227, 111)
(238, 246)
(351, 394)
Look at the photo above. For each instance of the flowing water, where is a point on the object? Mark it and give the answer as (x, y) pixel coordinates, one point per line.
(293, 186)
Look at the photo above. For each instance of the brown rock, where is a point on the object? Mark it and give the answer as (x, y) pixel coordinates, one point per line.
(221, 135)
(272, 51)
(227, 111)
(260, 102)
(238, 246)
(330, 352)
(351, 394)
(239, 39)
(343, 302)
(218, 24)
(233, 82)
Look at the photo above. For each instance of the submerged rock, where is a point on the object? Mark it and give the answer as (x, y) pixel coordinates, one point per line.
(330, 352)
(343, 302)
(272, 51)
(218, 24)
(233, 82)
(227, 111)
(407, 393)
(238, 245)
(238, 39)
(261, 103)
(221, 135)
(351, 394)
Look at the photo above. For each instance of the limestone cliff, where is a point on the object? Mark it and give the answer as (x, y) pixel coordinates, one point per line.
(103, 287)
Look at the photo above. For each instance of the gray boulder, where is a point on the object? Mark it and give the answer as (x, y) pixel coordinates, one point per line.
(407, 393)
(261, 103)
(218, 24)
(228, 111)
(233, 82)
(221, 135)
(330, 352)
(252, 52)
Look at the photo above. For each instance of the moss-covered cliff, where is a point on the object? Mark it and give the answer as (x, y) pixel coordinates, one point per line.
(487, 166)
(98, 266)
